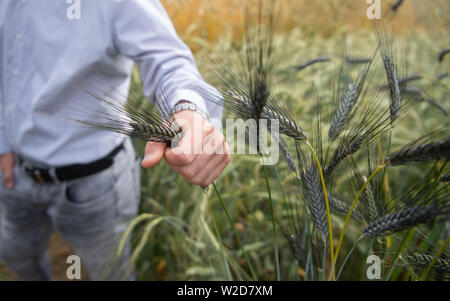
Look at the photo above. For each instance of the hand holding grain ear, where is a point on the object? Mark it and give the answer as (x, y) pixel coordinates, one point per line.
(6, 167)
(200, 156)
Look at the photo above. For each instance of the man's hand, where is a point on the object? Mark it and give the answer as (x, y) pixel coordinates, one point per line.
(6, 167)
(200, 156)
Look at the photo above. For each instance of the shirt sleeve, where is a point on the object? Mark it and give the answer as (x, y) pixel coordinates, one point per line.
(144, 32)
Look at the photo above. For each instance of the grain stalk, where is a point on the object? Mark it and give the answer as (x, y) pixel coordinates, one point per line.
(324, 259)
(347, 218)
(433, 262)
(406, 239)
(274, 228)
(131, 226)
(138, 249)
(347, 258)
(327, 205)
(252, 271)
(219, 237)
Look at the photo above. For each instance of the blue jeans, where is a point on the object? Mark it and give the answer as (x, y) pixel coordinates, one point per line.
(91, 213)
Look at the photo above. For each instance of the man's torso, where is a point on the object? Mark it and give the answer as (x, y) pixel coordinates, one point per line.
(46, 60)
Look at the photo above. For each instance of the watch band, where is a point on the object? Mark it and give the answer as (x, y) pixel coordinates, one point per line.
(191, 107)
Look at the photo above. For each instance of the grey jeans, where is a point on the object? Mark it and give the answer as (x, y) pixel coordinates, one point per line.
(91, 213)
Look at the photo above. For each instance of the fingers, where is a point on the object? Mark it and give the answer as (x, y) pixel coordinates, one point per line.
(201, 154)
(7, 167)
(8, 178)
(196, 134)
(212, 170)
(205, 175)
(207, 165)
(154, 152)
(217, 165)
(184, 154)
(191, 171)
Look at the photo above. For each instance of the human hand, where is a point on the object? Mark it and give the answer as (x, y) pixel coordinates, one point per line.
(200, 156)
(6, 166)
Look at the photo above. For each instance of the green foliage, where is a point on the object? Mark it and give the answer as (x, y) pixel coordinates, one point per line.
(196, 242)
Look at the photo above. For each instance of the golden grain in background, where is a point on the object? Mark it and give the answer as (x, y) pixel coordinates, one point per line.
(211, 19)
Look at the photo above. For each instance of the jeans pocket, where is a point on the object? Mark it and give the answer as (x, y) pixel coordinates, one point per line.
(88, 189)
(95, 216)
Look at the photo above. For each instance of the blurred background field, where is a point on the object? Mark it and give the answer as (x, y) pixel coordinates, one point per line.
(201, 22)
(191, 238)
(191, 248)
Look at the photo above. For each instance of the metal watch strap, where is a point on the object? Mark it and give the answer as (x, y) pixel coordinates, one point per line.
(191, 107)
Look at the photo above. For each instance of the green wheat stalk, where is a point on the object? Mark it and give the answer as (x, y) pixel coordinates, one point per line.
(252, 271)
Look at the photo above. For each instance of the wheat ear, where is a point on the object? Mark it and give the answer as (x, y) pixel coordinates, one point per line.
(439, 150)
(423, 260)
(404, 219)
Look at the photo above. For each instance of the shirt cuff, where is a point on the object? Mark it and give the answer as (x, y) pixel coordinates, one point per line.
(5, 147)
(189, 95)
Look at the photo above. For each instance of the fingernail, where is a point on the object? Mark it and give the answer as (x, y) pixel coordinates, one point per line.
(147, 157)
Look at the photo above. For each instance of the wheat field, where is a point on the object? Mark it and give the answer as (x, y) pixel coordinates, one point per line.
(186, 234)
(307, 29)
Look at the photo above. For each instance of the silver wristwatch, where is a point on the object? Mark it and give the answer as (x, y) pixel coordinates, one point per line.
(191, 107)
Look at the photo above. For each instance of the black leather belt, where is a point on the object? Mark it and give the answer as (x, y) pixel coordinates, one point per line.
(70, 172)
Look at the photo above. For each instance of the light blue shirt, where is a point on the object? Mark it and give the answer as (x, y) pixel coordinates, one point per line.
(46, 46)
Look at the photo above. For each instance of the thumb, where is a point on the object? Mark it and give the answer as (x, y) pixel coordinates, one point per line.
(154, 152)
(8, 174)
(8, 177)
